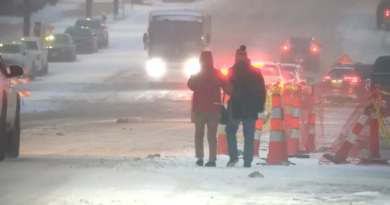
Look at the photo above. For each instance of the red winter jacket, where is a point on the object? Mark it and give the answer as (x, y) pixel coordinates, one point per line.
(207, 86)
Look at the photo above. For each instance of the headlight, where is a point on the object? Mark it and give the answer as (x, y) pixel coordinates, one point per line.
(192, 66)
(155, 67)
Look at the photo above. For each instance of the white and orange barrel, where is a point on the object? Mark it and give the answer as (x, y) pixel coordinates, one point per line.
(293, 141)
(276, 136)
(353, 136)
(222, 147)
(310, 139)
(258, 133)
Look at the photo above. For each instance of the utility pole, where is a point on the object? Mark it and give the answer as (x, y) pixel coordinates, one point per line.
(116, 7)
(26, 18)
(88, 7)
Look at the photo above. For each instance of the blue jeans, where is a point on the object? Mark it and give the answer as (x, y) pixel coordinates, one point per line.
(249, 126)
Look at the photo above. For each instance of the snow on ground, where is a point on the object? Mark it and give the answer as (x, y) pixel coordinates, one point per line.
(120, 163)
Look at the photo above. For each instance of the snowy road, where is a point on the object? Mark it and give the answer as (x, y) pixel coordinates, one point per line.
(113, 163)
(69, 158)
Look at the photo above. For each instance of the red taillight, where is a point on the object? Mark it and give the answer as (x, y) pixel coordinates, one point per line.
(224, 72)
(285, 47)
(326, 78)
(314, 49)
(387, 13)
(351, 78)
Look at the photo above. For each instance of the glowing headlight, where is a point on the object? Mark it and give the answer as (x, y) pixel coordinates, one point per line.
(155, 67)
(192, 66)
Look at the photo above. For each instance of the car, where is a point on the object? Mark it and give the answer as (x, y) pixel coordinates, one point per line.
(271, 72)
(10, 111)
(98, 27)
(294, 72)
(36, 47)
(61, 47)
(84, 38)
(341, 83)
(17, 53)
(301, 50)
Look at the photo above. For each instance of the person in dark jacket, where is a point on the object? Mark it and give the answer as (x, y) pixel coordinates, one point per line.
(206, 106)
(246, 101)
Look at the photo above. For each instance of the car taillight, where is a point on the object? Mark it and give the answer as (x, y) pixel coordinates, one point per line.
(387, 13)
(224, 72)
(285, 47)
(326, 78)
(351, 78)
(314, 49)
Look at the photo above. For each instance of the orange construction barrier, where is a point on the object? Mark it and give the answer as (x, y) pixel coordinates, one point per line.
(24, 94)
(293, 141)
(374, 140)
(276, 136)
(342, 154)
(18, 81)
(287, 113)
(310, 139)
(374, 126)
(222, 141)
(259, 129)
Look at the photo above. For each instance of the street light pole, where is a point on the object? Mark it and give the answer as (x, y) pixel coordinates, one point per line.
(26, 18)
(88, 8)
(116, 7)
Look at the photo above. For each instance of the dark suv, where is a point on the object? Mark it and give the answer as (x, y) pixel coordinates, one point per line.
(301, 50)
(98, 27)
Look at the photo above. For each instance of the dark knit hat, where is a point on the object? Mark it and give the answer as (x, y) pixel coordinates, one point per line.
(241, 53)
(206, 58)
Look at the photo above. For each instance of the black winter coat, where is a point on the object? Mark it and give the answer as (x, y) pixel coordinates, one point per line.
(249, 93)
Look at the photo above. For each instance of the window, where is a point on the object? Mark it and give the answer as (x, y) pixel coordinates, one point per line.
(270, 70)
(32, 45)
(288, 75)
(62, 39)
(93, 24)
(10, 48)
(339, 72)
(79, 32)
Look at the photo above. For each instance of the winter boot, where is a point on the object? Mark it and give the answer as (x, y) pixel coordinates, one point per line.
(199, 162)
(210, 164)
(232, 162)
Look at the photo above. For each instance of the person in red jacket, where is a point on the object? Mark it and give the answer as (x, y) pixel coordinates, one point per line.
(206, 106)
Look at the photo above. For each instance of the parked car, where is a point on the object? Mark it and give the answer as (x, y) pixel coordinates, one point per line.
(10, 111)
(61, 47)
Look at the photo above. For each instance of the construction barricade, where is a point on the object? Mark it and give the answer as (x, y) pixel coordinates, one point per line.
(359, 139)
(278, 128)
